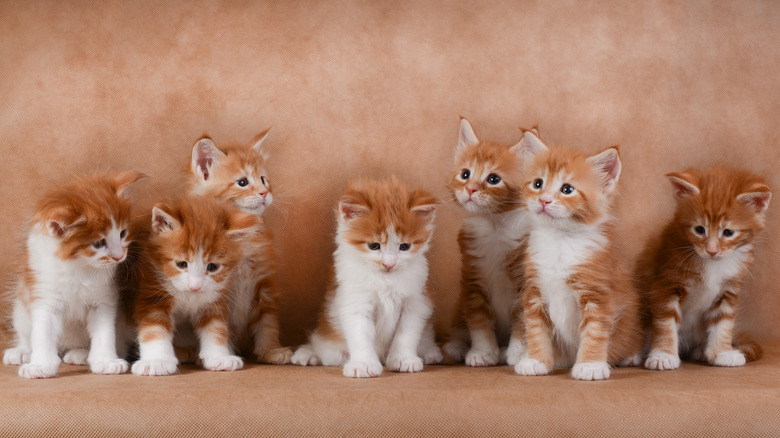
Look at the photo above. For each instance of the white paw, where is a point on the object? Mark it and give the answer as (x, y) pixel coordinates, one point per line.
(481, 358)
(590, 371)
(405, 365)
(275, 356)
(531, 367)
(514, 353)
(658, 360)
(305, 357)
(16, 356)
(368, 368)
(432, 356)
(732, 358)
(40, 370)
(109, 366)
(633, 361)
(76, 356)
(455, 350)
(222, 363)
(155, 367)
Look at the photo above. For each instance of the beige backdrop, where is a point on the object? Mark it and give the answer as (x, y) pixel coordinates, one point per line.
(374, 88)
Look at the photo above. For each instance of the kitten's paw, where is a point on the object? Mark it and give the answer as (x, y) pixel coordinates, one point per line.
(16, 356)
(275, 356)
(305, 357)
(482, 358)
(432, 356)
(731, 358)
(39, 370)
(658, 360)
(455, 350)
(514, 353)
(633, 361)
(155, 367)
(368, 368)
(405, 365)
(222, 363)
(76, 356)
(590, 371)
(109, 366)
(531, 367)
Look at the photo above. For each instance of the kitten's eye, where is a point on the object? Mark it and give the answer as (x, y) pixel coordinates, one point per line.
(567, 189)
(493, 179)
(212, 267)
(728, 233)
(700, 230)
(262, 178)
(243, 182)
(405, 247)
(538, 184)
(181, 265)
(99, 244)
(122, 234)
(373, 246)
(465, 174)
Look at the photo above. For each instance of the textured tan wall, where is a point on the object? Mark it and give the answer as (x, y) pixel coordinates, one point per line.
(373, 88)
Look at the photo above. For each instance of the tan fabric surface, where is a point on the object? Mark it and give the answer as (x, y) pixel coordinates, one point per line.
(373, 88)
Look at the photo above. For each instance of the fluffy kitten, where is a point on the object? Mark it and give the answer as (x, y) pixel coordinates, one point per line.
(486, 182)
(579, 304)
(236, 173)
(187, 263)
(377, 307)
(66, 300)
(692, 273)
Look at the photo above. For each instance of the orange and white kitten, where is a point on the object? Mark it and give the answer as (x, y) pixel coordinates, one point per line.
(377, 308)
(187, 263)
(579, 303)
(486, 182)
(66, 300)
(236, 173)
(692, 273)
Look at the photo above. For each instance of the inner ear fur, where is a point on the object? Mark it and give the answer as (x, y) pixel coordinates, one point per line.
(351, 208)
(124, 181)
(684, 184)
(423, 204)
(205, 155)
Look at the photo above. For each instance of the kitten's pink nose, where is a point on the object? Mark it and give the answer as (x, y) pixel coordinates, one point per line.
(263, 194)
(388, 266)
(545, 202)
(712, 252)
(471, 190)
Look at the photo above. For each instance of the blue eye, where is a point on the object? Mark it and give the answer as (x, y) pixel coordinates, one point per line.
(243, 182)
(493, 179)
(99, 244)
(465, 174)
(538, 184)
(373, 246)
(567, 189)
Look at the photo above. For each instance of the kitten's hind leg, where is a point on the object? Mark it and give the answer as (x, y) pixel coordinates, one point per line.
(22, 325)
(305, 356)
(267, 346)
(428, 350)
(76, 356)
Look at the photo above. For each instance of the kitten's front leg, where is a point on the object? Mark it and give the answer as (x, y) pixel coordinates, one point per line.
(155, 341)
(516, 348)
(402, 356)
(539, 356)
(480, 320)
(44, 335)
(214, 352)
(597, 314)
(720, 333)
(664, 352)
(360, 332)
(101, 324)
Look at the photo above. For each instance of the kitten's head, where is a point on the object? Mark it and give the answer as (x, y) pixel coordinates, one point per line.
(565, 188)
(90, 218)
(386, 224)
(485, 179)
(196, 243)
(233, 173)
(719, 210)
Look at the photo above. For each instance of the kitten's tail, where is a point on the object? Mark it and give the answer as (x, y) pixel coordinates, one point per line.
(748, 347)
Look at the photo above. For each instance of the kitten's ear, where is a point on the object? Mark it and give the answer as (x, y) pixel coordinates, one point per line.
(351, 208)
(683, 185)
(529, 146)
(466, 136)
(63, 221)
(759, 200)
(204, 156)
(424, 204)
(242, 226)
(608, 165)
(124, 181)
(162, 221)
(257, 143)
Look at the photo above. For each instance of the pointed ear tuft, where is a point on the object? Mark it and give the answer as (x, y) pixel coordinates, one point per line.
(351, 208)
(466, 137)
(257, 143)
(758, 200)
(124, 181)
(684, 185)
(529, 146)
(63, 221)
(162, 221)
(608, 165)
(205, 155)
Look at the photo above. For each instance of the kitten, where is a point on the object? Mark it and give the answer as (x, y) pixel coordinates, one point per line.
(377, 308)
(237, 174)
(486, 183)
(187, 263)
(66, 300)
(579, 304)
(692, 273)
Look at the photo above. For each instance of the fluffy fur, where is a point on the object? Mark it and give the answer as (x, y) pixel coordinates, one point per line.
(691, 275)
(66, 300)
(486, 182)
(236, 173)
(579, 304)
(187, 257)
(377, 308)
